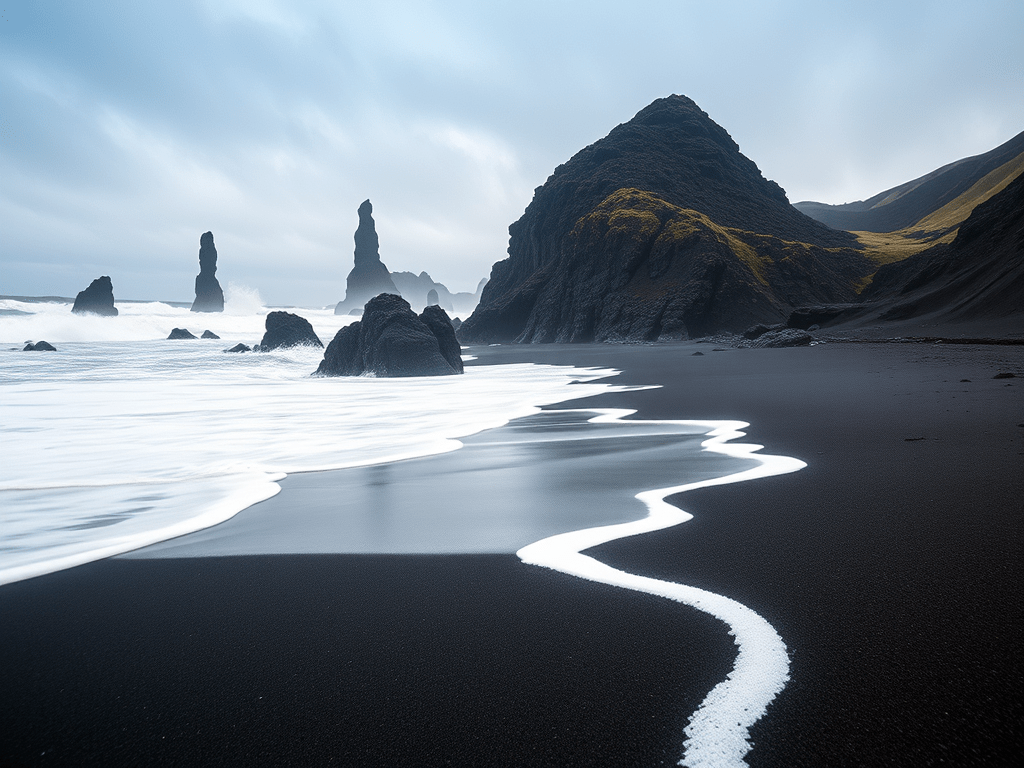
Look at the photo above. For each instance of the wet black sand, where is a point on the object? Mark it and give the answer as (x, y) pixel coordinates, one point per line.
(891, 566)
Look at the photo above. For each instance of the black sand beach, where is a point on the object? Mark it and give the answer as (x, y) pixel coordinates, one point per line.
(890, 565)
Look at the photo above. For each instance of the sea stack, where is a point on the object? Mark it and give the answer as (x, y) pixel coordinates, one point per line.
(209, 296)
(369, 277)
(97, 299)
(285, 330)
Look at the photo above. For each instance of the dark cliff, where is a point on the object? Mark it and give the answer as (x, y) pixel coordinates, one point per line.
(662, 229)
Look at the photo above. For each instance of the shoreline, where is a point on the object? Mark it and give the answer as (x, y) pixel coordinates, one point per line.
(899, 608)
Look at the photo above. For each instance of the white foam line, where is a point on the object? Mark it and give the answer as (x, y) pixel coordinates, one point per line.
(718, 732)
(72, 555)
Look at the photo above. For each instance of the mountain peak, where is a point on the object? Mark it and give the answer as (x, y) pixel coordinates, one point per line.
(668, 195)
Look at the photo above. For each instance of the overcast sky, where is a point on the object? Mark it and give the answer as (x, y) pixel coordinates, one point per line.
(127, 129)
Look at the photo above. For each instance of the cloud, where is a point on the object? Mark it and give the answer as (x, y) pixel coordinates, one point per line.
(129, 129)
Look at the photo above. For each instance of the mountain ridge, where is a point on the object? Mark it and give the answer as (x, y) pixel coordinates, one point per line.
(906, 204)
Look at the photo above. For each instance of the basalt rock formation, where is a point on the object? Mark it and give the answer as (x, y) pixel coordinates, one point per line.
(97, 299)
(783, 337)
(369, 276)
(209, 296)
(209, 335)
(660, 230)
(39, 346)
(287, 330)
(181, 333)
(391, 340)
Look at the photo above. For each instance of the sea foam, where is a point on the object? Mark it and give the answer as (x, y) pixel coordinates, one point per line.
(717, 735)
(114, 443)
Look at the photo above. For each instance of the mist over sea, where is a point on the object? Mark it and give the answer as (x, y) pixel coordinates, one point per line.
(122, 438)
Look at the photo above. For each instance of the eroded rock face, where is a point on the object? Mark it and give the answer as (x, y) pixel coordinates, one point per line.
(436, 319)
(392, 341)
(660, 230)
(209, 296)
(287, 330)
(369, 276)
(97, 299)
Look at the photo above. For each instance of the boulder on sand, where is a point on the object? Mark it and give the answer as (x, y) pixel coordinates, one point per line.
(787, 337)
(393, 341)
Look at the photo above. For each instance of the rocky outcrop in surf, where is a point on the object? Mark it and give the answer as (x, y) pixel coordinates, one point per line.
(39, 346)
(660, 230)
(390, 340)
(209, 296)
(97, 299)
(369, 276)
(180, 333)
(287, 330)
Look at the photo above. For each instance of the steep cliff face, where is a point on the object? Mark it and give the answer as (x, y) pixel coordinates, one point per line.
(662, 229)
(369, 276)
(209, 296)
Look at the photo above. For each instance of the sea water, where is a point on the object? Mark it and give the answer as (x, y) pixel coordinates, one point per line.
(122, 438)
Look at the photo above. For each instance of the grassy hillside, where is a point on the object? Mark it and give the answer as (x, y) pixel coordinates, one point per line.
(954, 189)
(941, 225)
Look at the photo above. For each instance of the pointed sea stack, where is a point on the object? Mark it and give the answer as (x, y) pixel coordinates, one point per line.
(97, 299)
(369, 276)
(661, 230)
(209, 296)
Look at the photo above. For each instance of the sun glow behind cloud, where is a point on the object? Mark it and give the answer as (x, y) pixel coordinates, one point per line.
(130, 129)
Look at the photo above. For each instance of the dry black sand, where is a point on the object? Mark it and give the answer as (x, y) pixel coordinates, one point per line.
(891, 566)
